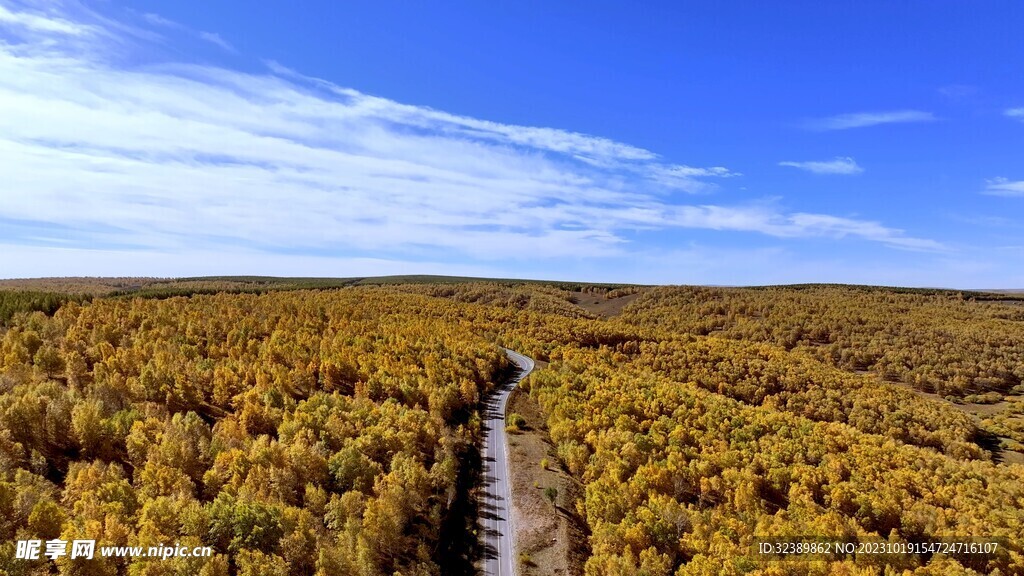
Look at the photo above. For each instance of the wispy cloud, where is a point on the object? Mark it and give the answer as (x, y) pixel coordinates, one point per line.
(1004, 187)
(159, 20)
(1017, 113)
(41, 23)
(211, 37)
(838, 165)
(865, 119)
(181, 158)
(797, 225)
(687, 178)
(214, 38)
(958, 91)
(777, 264)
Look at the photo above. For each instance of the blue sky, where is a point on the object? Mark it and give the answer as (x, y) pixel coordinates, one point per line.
(707, 143)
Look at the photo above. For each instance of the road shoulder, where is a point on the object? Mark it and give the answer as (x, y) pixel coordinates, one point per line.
(549, 536)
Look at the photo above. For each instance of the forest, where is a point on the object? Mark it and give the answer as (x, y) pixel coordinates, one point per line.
(329, 431)
(948, 343)
(294, 432)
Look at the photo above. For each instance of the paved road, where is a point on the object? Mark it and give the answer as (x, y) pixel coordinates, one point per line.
(495, 516)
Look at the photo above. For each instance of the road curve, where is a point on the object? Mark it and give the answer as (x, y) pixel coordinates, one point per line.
(495, 509)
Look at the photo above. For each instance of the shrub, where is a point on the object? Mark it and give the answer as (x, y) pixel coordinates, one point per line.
(551, 493)
(515, 422)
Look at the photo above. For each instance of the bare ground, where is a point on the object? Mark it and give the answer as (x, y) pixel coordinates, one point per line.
(598, 305)
(550, 536)
(978, 411)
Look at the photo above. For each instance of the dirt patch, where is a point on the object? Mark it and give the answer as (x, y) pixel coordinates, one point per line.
(979, 412)
(604, 307)
(1011, 457)
(550, 536)
(983, 410)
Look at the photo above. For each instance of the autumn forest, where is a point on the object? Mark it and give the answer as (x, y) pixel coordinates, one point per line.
(331, 428)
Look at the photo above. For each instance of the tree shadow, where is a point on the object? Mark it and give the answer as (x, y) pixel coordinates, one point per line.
(463, 541)
(989, 442)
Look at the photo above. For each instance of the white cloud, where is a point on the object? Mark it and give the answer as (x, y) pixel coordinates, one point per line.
(163, 22)
(184, 159)
(34, 261)
(838, 165)
(1017, 113)
(767, 265)
(214, 38)
(1004, 187)
(28, 21)
(797, 225)
(864, 119)
(159, 20)
(958, 91)
(687, 178)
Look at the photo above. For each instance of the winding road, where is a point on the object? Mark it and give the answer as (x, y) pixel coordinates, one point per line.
(495, 511)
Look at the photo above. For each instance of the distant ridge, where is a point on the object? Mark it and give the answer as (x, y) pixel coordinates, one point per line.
(152, 286)
(166, 287)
